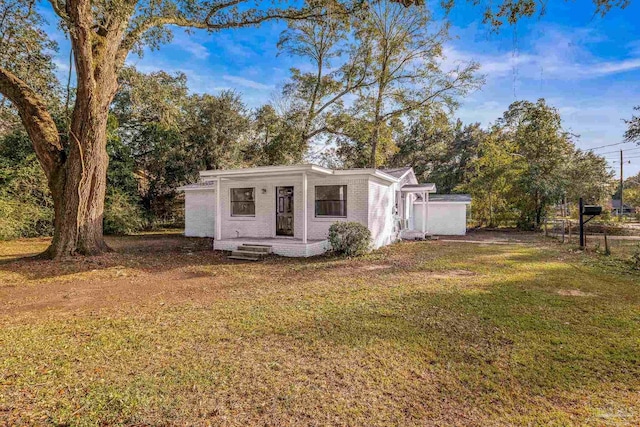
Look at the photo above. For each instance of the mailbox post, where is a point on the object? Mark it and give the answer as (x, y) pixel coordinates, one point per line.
(590, 211)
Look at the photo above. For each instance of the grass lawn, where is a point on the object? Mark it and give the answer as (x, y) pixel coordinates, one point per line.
(167, 332)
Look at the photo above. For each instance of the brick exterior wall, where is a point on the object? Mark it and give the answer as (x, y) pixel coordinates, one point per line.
(357, 208)
(199, 215)
(264, 223)
(369, 202)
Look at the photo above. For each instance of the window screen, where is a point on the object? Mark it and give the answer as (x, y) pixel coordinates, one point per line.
(331, 200)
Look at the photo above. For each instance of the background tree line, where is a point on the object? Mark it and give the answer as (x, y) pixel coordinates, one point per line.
(379, 95)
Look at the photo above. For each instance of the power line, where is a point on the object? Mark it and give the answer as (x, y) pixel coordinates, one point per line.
(632, 156)
(608, 145)
(627, 161)
(617, 151)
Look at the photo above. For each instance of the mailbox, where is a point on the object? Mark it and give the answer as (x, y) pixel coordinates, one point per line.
(592, 210)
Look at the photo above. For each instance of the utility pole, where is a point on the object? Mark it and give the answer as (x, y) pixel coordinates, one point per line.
(580, 218)
(621, 188)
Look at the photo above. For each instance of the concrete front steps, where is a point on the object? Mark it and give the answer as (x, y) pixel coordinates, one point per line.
(250, 252)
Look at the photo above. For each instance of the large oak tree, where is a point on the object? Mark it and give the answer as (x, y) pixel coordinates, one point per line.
(102, 33)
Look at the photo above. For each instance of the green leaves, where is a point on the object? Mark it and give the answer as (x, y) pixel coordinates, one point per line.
(528, 163)
(633, 128)
(25, 48)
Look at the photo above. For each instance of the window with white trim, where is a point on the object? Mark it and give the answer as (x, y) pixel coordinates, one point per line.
(243, 202)
(331, 201)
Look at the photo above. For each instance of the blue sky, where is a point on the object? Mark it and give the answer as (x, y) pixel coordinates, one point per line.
(586, 66)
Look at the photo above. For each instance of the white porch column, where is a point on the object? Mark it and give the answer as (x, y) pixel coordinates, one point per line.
(424, 212)
(218, 234)
(426, 217)
(304, 207)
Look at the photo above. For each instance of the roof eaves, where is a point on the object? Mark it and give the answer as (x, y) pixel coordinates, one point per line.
(384, 175)
(428, 187)
(197, 186)
(262, 170)
(367, 171)
(409, 169)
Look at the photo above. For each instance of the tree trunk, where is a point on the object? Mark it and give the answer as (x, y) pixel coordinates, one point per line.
(78, 186)
(375, 138)
(77, 172)
(79, 190)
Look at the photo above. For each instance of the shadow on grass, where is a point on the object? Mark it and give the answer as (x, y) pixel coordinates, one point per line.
(149, 253)
(506, 343)
(511, 333)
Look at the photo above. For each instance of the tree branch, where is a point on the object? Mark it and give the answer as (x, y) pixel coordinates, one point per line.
(59, 10)
(246, 19)
(36, 119)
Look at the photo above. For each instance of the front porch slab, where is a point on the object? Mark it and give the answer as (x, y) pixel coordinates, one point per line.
(287, 247)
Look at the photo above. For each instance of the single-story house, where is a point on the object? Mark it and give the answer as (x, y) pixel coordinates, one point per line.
(626, 209)
(291, 208)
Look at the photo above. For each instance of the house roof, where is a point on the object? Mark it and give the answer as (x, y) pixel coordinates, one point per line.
(615, 203)
(264, 171)
(397, 172)
(458, 198)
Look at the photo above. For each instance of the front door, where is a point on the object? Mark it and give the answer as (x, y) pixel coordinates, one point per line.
(284, 211)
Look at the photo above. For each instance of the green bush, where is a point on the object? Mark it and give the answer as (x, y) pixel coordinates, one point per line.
(122, 215)
(26, 209)
(349, 238)
(20, 219)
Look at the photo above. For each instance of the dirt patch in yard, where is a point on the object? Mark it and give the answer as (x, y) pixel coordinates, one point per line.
(574, 293)
(447, 274)
(143, 270)
(374, 267)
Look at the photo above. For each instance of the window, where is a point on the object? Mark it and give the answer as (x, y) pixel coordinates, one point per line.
(331, 200)
(243, 202)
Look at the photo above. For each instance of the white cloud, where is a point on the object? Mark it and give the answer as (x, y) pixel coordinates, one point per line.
(241, 81)
(606, 68)
(556, 55)
(187, 43)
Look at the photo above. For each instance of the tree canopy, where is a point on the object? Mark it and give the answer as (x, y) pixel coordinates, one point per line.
(384, 57)
(73, 152)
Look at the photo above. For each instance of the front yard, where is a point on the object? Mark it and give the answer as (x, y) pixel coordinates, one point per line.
(167, 332)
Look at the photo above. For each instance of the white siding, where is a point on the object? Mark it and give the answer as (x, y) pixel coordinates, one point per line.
(445, 219)
(199, 215)
(380, 219)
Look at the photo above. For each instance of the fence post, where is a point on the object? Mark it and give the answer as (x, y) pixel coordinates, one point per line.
(546, 234)
(569, 231)
(563, 225)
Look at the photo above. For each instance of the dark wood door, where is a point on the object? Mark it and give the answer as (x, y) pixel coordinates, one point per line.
(284, 211)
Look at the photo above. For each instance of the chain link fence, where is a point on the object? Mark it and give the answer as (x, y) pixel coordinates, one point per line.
(605, 237)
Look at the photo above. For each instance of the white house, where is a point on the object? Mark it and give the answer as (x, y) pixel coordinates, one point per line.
(290, 208)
